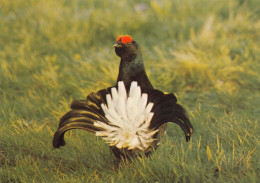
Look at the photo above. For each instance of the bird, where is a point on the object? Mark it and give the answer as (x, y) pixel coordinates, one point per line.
(131, 116)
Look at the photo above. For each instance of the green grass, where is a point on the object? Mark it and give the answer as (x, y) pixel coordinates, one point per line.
(206, 52)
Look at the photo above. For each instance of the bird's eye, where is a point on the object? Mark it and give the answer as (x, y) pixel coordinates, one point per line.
(128, 43)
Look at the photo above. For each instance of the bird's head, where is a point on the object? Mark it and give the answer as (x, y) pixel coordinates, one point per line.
(126, 48)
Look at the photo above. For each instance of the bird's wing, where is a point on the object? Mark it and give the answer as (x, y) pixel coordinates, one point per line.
(83, 114)
(166, 109)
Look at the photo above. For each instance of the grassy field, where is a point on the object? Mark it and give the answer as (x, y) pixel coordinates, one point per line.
(206, 52)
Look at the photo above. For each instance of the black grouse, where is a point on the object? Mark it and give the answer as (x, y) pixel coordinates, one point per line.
(131, 116)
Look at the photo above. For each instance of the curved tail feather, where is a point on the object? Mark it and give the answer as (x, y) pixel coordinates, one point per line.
(58, 139)
(82, 116)
(168, 110)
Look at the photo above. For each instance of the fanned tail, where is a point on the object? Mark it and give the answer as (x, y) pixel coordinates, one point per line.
(82, 116)
(85, 113)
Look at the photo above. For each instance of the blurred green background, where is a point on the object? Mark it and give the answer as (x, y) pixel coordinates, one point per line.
(205, 51)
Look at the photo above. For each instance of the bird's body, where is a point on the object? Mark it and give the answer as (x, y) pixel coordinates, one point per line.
(131, 116)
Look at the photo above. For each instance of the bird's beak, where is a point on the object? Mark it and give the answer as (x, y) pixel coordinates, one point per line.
(116, 45)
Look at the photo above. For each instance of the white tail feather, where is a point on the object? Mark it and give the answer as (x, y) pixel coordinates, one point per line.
(129, 118)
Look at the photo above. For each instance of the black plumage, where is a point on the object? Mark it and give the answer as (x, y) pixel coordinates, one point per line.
(84, 113)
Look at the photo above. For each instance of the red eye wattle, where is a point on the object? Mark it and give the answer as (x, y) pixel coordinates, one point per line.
(124, 39)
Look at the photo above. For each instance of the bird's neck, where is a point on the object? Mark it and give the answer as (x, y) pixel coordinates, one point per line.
(133, 71)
